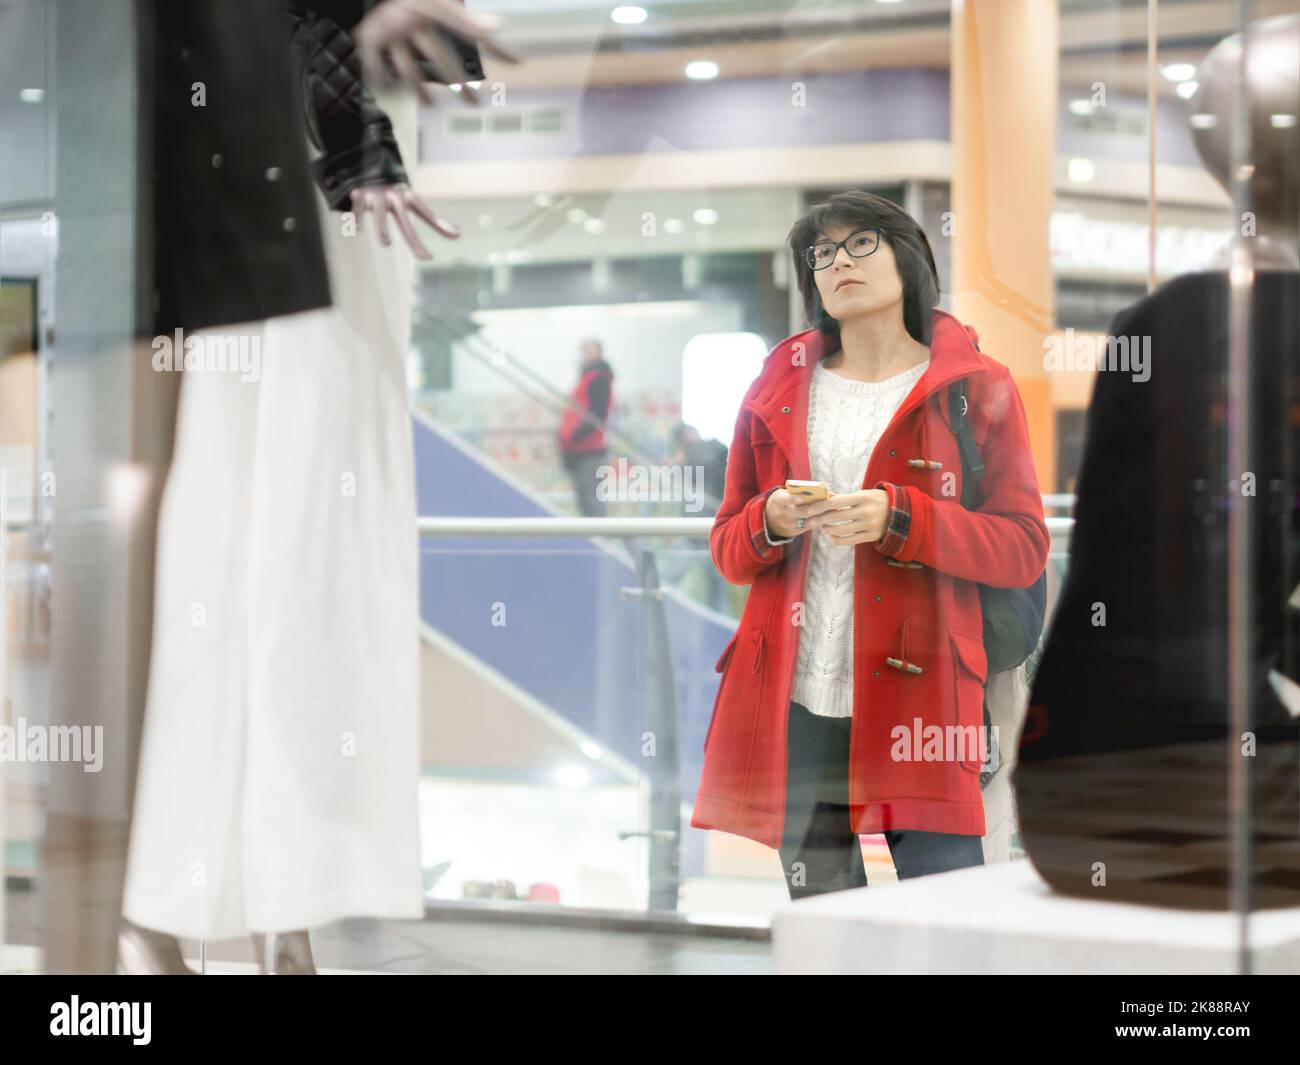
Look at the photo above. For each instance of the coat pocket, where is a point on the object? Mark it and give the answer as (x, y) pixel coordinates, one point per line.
(721, 663)
(720, 667)
(759, 643)
(970, 669)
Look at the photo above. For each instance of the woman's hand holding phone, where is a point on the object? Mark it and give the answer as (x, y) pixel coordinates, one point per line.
(852, 518)
(847, 519)
(789, 507)
(783, 512)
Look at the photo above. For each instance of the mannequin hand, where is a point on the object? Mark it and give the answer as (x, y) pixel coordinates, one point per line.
(852, 518)
(399, 201)
(405, 30)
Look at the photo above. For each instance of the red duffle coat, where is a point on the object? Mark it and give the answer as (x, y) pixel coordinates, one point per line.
(918, 652)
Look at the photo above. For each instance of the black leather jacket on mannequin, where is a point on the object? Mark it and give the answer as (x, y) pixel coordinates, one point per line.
(235, 232)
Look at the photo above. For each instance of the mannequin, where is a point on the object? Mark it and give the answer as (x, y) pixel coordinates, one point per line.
(1122, 786)
(1271, 82)
(277, 783)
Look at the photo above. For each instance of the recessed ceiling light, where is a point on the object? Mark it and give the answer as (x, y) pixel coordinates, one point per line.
(628, 15)
(31, 96)
(673, 226)
(1186, 89)
(543, 199)
(1282, 121)
(594, 226)
(1081, 107)
(1081, 170)
(576, 215)
(1179, 71)
(1203, 121)
(701, 69)
(705, 216)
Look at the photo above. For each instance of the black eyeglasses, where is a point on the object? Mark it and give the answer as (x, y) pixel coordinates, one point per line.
(860, 244)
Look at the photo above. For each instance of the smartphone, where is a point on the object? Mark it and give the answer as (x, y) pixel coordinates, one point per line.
(809, 490)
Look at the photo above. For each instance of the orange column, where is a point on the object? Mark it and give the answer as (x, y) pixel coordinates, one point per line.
(1004, 92)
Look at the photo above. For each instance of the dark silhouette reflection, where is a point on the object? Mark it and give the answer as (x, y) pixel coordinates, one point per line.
(1123, 779)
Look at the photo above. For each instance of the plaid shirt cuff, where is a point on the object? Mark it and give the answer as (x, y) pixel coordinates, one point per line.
(775, 541)
(899, 521)
(764, 545)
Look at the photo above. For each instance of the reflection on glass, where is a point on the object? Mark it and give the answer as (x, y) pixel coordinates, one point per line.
(588, 347)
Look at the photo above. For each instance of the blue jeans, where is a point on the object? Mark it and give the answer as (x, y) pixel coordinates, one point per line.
(819, 849)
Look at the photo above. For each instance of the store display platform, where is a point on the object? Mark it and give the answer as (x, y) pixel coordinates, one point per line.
(1001, 919)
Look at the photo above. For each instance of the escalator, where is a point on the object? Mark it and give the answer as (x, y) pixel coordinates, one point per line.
(556, 624)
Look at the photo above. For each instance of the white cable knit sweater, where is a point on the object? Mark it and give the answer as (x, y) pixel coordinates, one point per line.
(845, 420)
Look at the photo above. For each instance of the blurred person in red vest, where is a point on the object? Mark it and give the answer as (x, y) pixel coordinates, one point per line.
(582, 429)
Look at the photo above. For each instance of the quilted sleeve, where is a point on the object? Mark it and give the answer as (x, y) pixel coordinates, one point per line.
(353, 135)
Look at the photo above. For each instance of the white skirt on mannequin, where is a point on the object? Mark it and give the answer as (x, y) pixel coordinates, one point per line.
(279, 766)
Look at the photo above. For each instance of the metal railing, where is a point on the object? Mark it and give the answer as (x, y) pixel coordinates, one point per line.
(624, 528)
(657, 679)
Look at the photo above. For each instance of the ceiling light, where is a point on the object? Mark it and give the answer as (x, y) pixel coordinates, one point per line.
(1179, 71)
(543, 199)
(576, 215)
(1081, 107)
(572, 776)
(705, 216)
(628, 16)
(594, 226)
(1282, 121)
(673, 226)
(31, 96)
(701, 69)
(1081, 170)
(1186, 89)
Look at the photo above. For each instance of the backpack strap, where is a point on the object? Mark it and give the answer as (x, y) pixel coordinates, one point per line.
(972, 466)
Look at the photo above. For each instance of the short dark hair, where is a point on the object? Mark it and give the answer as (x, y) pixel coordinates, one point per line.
(898, 229)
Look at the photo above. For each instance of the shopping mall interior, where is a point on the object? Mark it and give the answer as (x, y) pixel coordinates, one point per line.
(631, 179)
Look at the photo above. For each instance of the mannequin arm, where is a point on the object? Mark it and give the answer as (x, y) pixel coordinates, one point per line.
(415, 37)
(353, 134)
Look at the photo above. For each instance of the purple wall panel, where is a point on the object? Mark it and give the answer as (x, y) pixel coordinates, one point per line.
(850, 107)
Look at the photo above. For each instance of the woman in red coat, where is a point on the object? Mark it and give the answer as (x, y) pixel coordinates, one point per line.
(851, 698)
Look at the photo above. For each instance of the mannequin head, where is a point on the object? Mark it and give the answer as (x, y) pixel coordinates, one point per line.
(1272, 76)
